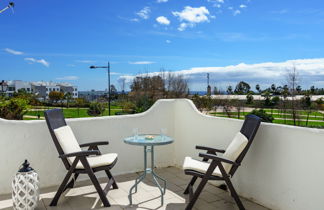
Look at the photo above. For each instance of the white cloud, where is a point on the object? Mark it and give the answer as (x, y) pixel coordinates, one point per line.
(161, 1)
(193, 14)
(14, 52)
(168, 41)
(144, 13)
(69, 78)
(41, 61)
(310, 71)
(216, 1)
(134, 19)
(236, 12)
(230, 8)
(190, 16)
(163, 20)
(183, 26)
(115, 73)
(141, 62)
(243, 6)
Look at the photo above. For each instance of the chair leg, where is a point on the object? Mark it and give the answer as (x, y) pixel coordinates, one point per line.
(197, 193)
(95, 182)
(72, 182)
(191, 183)
(233, 193)
(115, 186)
(61, 188)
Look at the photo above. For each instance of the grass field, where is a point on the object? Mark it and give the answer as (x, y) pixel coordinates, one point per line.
(69, 113)
(285, 118)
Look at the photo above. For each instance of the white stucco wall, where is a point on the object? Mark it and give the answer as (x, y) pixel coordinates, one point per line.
(282, 170)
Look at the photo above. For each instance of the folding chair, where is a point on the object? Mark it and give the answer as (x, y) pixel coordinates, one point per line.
(213, 167)
(78, 161)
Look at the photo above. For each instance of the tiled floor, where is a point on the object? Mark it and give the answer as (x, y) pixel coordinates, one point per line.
(84, 196)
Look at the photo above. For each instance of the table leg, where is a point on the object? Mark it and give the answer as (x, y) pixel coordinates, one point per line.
(154, 175)
(139, 179)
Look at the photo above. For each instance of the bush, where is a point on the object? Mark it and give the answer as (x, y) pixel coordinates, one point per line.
(96, 109)
(263, 115)
(249, 98)
(13, 109)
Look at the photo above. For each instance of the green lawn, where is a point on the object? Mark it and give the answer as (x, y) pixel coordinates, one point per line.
(71, 113)
(313, 116)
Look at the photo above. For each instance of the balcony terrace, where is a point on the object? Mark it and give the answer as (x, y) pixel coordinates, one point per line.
(282, 170)
(84, 195)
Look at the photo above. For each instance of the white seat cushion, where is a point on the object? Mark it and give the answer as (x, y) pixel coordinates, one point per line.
(100, 160)
(200, 166)
(231, 153)
(69, 144)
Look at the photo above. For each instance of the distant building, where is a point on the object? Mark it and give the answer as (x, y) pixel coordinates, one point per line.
(92, 95)
(41, 89)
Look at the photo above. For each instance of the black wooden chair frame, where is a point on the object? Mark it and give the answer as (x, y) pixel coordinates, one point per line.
(55, 119)
(215, 161)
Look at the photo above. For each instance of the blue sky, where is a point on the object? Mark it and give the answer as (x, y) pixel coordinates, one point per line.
(251, 40)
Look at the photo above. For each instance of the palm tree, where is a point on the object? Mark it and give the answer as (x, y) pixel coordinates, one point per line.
(257, 87)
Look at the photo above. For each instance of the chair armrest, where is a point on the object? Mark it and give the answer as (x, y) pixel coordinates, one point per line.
(96, 143)
(80, 154)
(218, 159)
(210, 149)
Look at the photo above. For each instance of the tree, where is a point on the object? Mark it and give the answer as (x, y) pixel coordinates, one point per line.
(257, 87)
(13, 109)
(145, 90)
(80, 102)
(238, 104)
(275, 100)
(113, 92)
(312, 89)
(273, 88)
(306, 104)
(56, 96)
(216, 91)
(249, 98)
(292, 78)
(298, 89)
(96, 109)
(242, 88)
(267, 99)
(177, 86)
(68, 97)
(229, 90)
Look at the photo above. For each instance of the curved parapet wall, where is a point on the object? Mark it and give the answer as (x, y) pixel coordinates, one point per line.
(282, 170)
(20, 140)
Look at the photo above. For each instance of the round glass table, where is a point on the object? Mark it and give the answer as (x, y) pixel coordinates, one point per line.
(148, 141)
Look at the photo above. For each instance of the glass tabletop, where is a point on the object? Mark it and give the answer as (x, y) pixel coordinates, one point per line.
(148, 140)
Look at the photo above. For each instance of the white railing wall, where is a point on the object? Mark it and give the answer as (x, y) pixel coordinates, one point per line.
(282, 170)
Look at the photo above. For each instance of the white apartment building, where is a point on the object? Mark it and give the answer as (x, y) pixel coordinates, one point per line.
(41, 89)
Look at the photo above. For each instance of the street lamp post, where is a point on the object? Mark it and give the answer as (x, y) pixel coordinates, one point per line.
(4, 87)
(108, 71)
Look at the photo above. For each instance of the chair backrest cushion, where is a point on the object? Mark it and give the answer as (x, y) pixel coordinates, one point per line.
(234, 149)
(67, 140)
